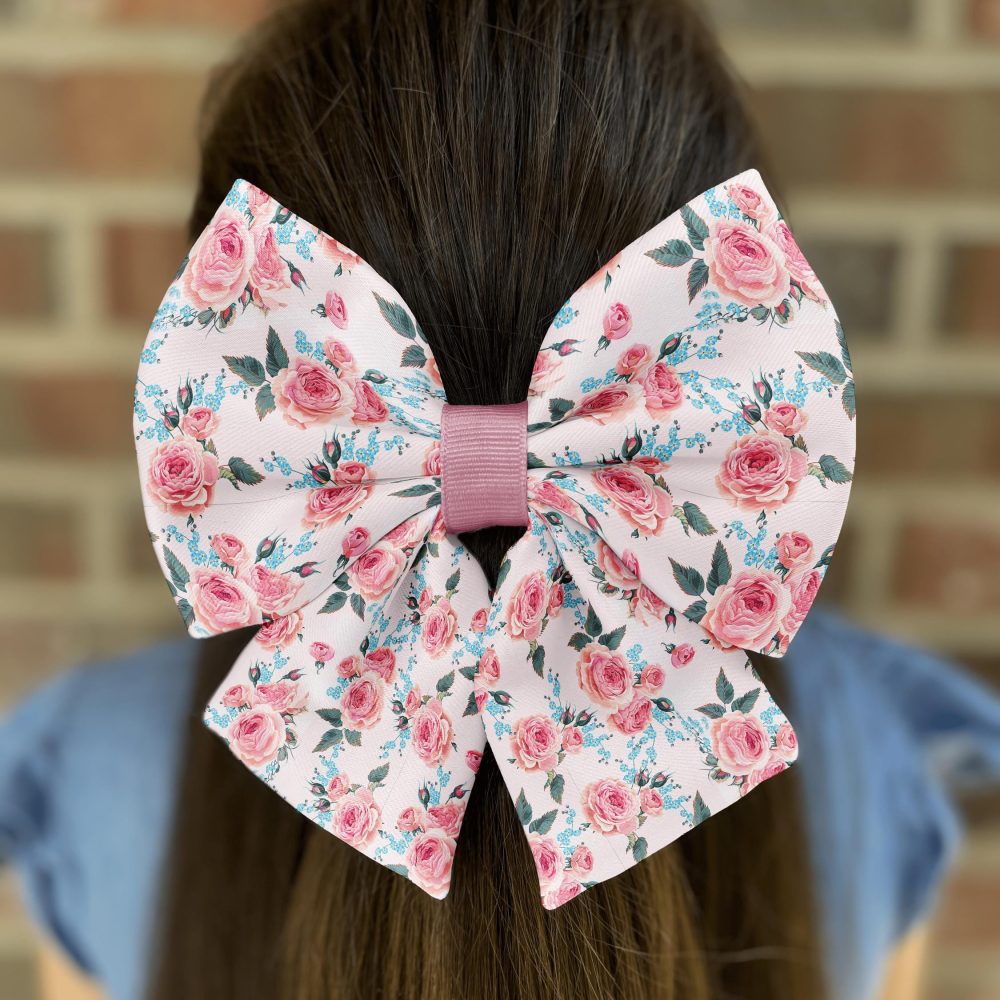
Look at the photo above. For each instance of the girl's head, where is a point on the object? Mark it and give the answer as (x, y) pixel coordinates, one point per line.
(485, 159)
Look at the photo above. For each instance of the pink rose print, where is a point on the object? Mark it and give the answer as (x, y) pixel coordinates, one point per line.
(648, 464)
(795, 549)
(617, 321)
(321, 652)
(276, 592)
(556, 597)
(430, 857)
(652, 677)
(368, 405)
(182, 477)
(308, 393)
(447, 818)
(349, 666)
(761, 472)
(569, 888)
(682, 655)
(355, 542)
(526, 608)
(257, 200)
(220, 601)
(535, 742)
(548, 859)
(408, 533)
(336, 311)
(431, 729)
(330, 504)
(634, 717)
(425, 600)
(786, 743)
(489, 666)
(663, 389)
(572, 739)
(647, 607)
(751, 203)
(643, 504)
(604, 676)
(410, 819)
(740, 742)
(798, 267)
(622, 573)
(284, 696)
(605, 405)
(382, 661)
(280, 632)
(413, 700)
(745, 264)
(479, 619)
(803, 588)
(336, 252)
(432, 459)
(218, 267)
(362, 702)
(200, 422)
(473, 758)
(785, 418)
(547, 494)
(747, 611)
(438, 630)
(352, 472)
(231, 551)
(775, 765)
(339, 355)
(337, 787)
(374, 572)
(651, 801)
(611, 806)
(633, 360)
(546, 372)
(582, 860)
(238, 696)
(256, 735)
(269, 275)
(356, 818)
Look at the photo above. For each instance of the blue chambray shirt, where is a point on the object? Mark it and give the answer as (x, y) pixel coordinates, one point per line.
(886, 733)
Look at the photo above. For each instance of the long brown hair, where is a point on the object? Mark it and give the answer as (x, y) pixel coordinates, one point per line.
(485, 158)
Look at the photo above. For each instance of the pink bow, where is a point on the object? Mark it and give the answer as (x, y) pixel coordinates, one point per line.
(683, 464)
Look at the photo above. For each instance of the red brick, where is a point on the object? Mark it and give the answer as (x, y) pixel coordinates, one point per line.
(67, 415)
(25, 278)
(983, 19)
(967, 916)
(968, 302)
(230, 14)
(948, 564)
(40, 540)
(128, 123)
(933, 435)
(894, 139)
(27, 111)
(141, 261)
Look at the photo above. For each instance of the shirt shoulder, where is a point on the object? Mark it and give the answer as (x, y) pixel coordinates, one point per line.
(87, 778)
(888, 733)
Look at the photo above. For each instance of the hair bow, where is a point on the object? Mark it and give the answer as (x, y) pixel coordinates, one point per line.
(682, 465)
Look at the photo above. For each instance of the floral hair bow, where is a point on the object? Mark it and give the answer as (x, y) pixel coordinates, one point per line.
(682, 465)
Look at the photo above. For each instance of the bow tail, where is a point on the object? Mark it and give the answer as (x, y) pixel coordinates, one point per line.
(620, 727)
(356, 719)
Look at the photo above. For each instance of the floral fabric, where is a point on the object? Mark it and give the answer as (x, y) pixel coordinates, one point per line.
(690, 454)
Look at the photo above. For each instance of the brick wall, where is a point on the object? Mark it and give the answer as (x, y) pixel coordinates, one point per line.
(894, 189)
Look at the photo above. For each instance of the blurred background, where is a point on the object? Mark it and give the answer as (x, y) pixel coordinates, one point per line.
(894, 188)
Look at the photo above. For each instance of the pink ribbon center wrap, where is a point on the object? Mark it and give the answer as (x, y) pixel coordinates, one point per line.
(484, 466)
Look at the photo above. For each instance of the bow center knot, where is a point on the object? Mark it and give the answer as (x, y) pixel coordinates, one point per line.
(484, 466)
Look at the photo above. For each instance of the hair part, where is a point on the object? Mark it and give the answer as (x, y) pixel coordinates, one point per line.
(485, 158)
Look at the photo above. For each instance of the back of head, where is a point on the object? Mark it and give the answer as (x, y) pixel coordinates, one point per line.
(485, 158)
